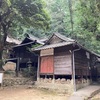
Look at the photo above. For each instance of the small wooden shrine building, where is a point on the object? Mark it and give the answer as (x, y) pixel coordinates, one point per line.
(21, 54)
(62, 59)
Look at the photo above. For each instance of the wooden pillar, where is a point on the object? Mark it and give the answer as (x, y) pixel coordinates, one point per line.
(53, 80)
(82, 75)
(17, 67)
(73, 69)
(18, 61)
(87, 74)
(38, 70)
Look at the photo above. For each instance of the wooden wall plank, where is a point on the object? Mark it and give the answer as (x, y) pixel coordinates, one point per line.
(46, 65)
(47, 52)
(81, 63)
(62, 63)
(63, 71)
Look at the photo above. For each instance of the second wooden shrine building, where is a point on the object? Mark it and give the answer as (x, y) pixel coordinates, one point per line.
(63, 60)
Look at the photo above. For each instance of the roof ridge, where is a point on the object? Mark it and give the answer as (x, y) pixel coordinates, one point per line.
(63, 37)
(32, 37)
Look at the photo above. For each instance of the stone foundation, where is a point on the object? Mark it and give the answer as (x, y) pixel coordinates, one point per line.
(59, 81)
(58, 85)
(16, 81)
(10, 79)
(62, 84)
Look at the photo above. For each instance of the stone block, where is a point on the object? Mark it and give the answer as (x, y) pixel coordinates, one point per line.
(9, 66)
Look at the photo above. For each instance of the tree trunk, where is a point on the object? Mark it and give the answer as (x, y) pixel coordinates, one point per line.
(1, 51)
(2, 43)
(71, 15)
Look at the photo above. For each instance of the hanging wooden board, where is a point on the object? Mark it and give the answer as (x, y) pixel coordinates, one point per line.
(47, 52)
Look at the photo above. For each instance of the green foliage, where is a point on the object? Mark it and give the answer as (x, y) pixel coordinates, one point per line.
(29, 72)
(36, 32)
(17, 14)
(83, 15)
(30, 13)
(9, 72)
(60, 16)
(88, 15)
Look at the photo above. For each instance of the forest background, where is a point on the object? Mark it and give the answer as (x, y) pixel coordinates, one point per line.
(77, 19)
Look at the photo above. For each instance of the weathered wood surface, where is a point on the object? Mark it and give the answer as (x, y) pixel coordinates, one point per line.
(61, 61)
(55, 39)
(62, 64)
(82, 72)
(81, 64)
(63, 71)
(47, 52)
(46, 65)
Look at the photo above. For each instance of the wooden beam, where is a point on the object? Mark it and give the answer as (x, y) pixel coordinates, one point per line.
(17, 67)
(73, 71)
(38, 69)
(24, 44)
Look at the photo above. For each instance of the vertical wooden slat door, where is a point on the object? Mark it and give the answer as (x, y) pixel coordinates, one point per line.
(46, 65)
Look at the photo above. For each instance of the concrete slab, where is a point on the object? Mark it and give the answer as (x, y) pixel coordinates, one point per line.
(85, 93)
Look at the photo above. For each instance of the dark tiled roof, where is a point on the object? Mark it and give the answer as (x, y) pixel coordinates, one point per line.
(35, 38)
(66, 41)
(64, 37)
(53, 45)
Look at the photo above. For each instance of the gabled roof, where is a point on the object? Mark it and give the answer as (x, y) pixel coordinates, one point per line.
(35, 39)
(30, 39)
(65, 41)
(88, 50)
(53, 46)
(63, 37)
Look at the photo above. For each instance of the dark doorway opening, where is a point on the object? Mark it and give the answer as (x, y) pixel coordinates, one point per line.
(96, 72)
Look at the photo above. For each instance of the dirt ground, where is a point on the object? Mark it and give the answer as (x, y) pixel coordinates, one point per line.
(23, 93)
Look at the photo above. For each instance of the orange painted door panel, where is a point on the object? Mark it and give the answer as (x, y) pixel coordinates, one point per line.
(46, 65)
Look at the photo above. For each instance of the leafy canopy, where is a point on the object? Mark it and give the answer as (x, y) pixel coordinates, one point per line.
(84, 15)
(14, 14)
